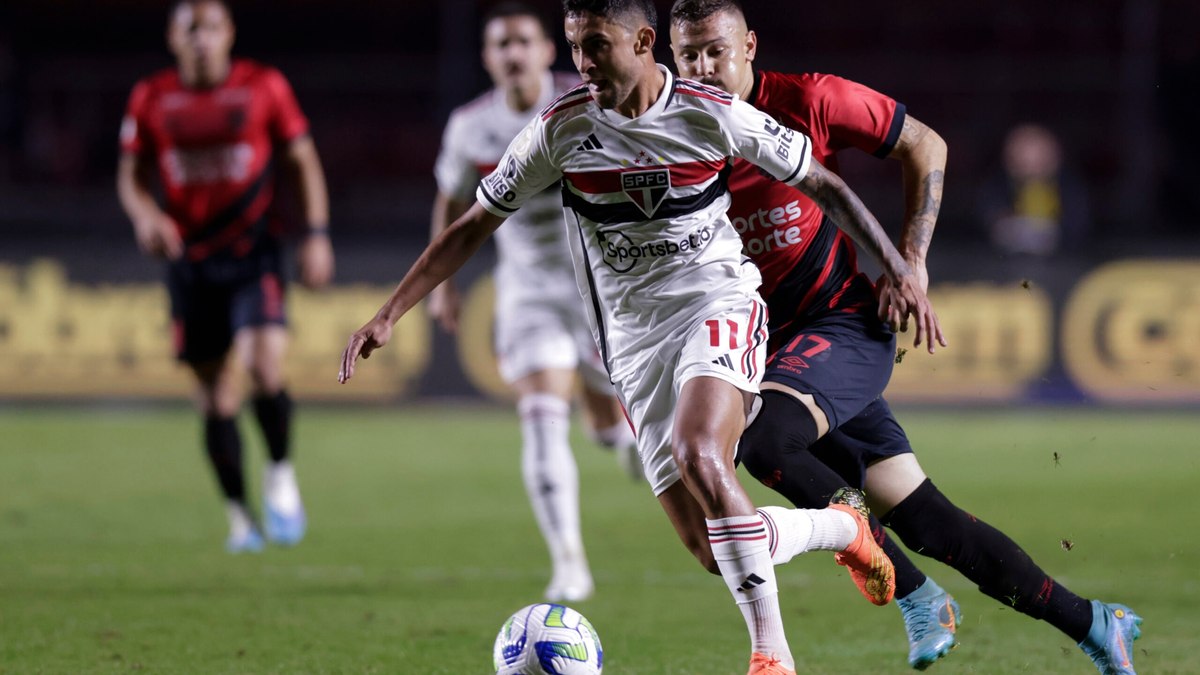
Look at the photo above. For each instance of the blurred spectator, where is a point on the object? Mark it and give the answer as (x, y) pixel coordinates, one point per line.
(1036, 205)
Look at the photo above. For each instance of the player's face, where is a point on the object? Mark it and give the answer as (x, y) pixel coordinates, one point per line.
(608, 55)
(201, 36)
(516, 51)
(717, 51)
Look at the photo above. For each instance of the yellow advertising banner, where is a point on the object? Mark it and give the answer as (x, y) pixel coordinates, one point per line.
(60, 339)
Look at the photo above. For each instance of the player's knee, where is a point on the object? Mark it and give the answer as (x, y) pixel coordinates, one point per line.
(702, 467)
(783, 425)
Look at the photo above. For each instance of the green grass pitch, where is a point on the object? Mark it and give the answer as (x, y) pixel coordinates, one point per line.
(421, 543)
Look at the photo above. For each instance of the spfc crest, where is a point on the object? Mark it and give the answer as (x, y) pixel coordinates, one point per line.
(646, 189)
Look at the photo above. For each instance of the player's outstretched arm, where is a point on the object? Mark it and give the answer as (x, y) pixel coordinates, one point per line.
(443, 257)
(905, 296)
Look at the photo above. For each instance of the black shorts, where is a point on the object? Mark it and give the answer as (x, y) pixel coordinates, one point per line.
(213, 298)
(844, 359)
(872, 435)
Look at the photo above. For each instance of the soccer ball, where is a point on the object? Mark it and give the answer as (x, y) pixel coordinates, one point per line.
(547, 639)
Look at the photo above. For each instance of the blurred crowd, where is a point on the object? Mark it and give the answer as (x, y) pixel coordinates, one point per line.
(1067, 124)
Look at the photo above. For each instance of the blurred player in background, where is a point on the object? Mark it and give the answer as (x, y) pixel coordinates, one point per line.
(542, 336)
(214, 129)
(831, 358)
(673, 303)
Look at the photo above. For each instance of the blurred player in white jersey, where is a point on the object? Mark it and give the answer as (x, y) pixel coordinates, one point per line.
(542, 335)
(673, 303)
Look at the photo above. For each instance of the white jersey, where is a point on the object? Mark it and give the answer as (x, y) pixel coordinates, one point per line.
(645, 201)
(474, 140)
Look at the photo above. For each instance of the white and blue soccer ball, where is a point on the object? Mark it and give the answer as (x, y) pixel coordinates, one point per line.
(547, 639)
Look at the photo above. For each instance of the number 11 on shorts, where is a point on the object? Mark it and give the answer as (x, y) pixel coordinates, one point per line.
(714, 332)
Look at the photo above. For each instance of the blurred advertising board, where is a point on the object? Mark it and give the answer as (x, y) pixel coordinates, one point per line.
(1123, 332)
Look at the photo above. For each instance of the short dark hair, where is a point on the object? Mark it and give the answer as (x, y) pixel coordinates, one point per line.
(511, 8)
(177, 4)
(611, 9)
(690, 11)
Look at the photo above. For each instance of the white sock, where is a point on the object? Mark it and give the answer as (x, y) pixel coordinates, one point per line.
(280, 488)
(552, 479)
(619, 435)
(795, 531)
(740, 547)
(240, 522)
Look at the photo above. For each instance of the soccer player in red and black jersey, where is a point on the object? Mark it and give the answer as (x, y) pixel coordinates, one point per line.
(824, 422)
(213, 129)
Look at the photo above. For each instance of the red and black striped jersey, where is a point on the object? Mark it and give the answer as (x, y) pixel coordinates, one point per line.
(213, 149)
(808, 264)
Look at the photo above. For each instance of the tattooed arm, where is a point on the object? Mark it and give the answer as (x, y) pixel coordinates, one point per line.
(922, 153)
(903, 295)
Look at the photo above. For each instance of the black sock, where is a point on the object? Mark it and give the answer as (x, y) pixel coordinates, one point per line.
(224, 447)
(928, 523)
(908, 577)
(274, 414)
(775, 450)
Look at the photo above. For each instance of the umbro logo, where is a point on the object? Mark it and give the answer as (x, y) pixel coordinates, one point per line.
(589, 143)
(751, 582)
(724, 361)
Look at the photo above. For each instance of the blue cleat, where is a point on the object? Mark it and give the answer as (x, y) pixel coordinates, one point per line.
(285, 529)
(285, 518)
(248, 541)
(931, 617)
(1110, 642)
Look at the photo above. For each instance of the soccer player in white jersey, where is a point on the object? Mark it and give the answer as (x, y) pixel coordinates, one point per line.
(673, 302)
(542, 335)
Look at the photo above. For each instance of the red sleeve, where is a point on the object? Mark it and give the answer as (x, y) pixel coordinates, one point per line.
(857, 116)
(287, 120)
(135, 137)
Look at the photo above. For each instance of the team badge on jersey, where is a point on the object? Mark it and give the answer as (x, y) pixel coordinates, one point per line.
(646, 189)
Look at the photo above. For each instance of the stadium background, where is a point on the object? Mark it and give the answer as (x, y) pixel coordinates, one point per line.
(1113, 319)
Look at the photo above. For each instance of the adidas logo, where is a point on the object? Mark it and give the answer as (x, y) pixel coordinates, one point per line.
(589, 143)
(724, 361)
(751, 582)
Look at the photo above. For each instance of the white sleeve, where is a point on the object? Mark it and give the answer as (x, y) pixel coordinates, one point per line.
(757, 138)
(525, 170)
(454, 171)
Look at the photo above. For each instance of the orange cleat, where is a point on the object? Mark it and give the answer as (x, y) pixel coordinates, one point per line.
(761, 664)
(869, 566)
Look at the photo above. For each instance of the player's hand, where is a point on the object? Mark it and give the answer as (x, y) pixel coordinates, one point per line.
(904, 298)
(316, 260)
(365, 340)
(445, 305)
(158, 236)
(883, 286)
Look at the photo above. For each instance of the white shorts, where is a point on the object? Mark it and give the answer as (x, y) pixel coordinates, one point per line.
(729, 344)
(540, 333)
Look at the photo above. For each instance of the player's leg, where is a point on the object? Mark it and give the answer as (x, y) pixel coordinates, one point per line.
(931, 616)
(263, 350)
(261, 342)
(219, 396)
(926, 521)
(538, 356)
(552, 478)
(816, 380)
(714, 516)
(200, 315)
